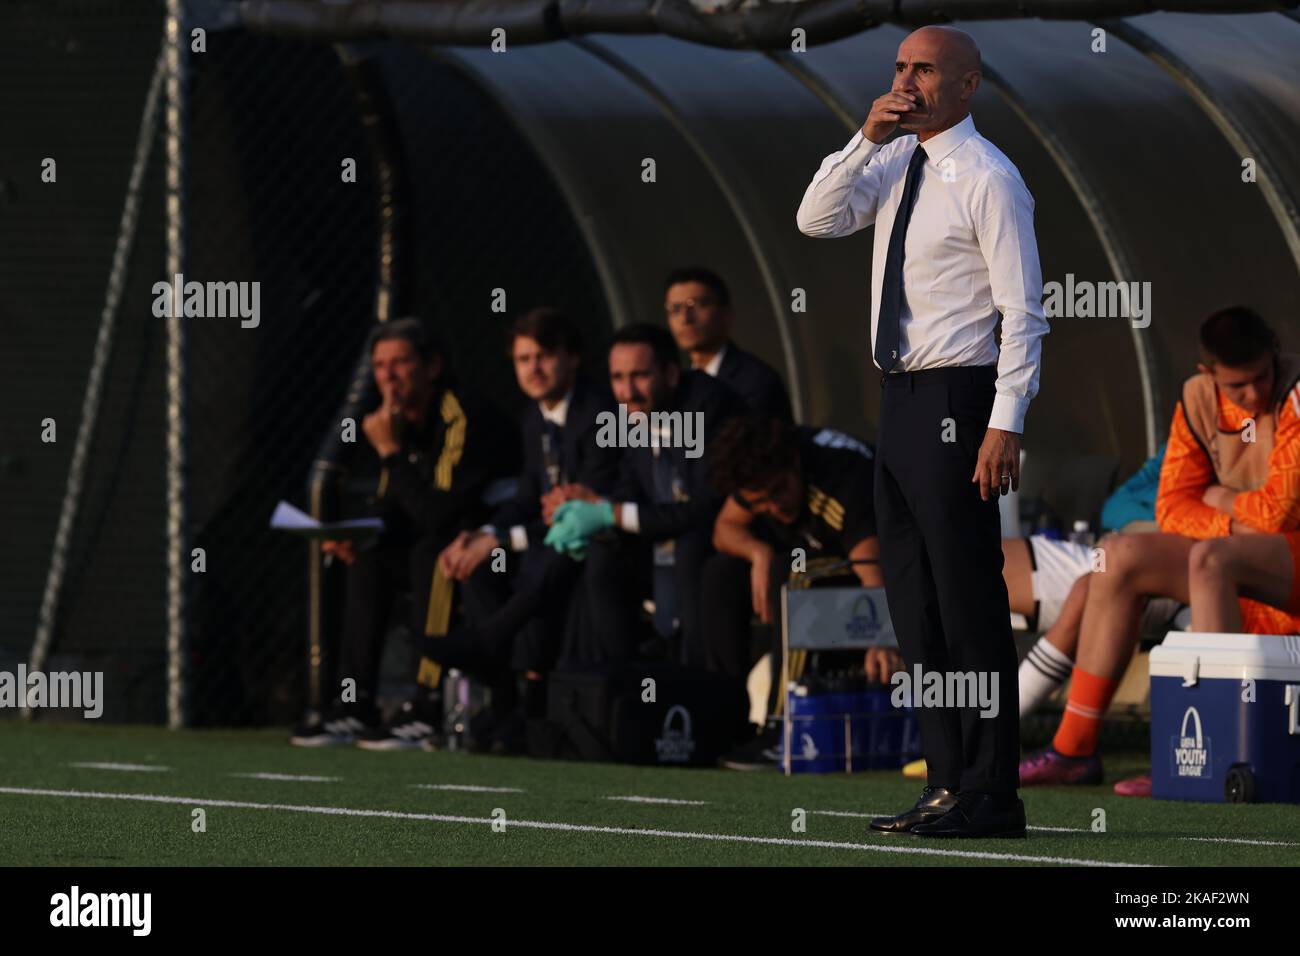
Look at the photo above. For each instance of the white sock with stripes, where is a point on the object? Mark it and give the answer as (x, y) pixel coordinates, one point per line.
(1041, 672)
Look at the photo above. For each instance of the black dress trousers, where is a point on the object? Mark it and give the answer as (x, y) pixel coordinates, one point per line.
(381, 571)
(941, 557)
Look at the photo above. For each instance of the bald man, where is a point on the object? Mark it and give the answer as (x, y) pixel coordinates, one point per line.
(954, 253)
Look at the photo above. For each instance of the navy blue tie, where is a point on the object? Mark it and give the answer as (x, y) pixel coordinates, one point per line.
(891, 287)
(664, 586)
(552, 455)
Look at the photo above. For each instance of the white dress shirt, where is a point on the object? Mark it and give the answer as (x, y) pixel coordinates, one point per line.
(715, 363)
(560, 412)
(557, 415)
(969, 256)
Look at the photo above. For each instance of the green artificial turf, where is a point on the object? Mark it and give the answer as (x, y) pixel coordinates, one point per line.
(62, 830)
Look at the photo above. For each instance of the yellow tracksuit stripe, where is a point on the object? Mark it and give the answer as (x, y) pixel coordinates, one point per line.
(453, 442)
(438, 617)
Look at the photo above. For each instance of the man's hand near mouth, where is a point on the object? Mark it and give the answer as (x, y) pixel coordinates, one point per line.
(887, 112)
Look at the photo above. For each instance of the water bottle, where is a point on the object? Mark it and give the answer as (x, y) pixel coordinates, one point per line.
(1082, 534)
(456, 696)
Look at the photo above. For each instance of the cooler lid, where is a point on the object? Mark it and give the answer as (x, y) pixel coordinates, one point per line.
(1192, 656)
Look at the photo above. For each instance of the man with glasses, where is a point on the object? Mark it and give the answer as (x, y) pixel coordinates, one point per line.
(700, 317)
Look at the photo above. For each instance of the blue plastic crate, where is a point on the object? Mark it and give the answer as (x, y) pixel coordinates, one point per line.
(837, 732)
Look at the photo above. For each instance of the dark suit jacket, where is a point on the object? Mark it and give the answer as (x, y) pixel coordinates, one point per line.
(756, 382)
(659, 521)
(581, 459)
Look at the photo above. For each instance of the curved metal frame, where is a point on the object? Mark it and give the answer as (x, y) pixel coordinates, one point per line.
(1108, 236)
(764, 26)
(761, 256)
(1279, 199)
(378, 119)
(615, 295)
(813, 83)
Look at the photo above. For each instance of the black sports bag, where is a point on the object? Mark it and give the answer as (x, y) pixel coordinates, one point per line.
(641, 712)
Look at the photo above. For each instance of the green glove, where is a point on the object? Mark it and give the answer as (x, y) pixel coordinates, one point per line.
(575, 522)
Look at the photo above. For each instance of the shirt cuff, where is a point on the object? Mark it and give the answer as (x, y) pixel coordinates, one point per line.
(860, 139)
(861, 148)
(630, 520)
(518, 538)
(1009, 413)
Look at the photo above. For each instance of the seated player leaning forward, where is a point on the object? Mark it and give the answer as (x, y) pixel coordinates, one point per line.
(435, 448)
(788, 487)
(1261, 567)
(650, 536)
(514, 620)
(1229, 469)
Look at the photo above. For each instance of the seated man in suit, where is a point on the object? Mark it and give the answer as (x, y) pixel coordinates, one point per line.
(788, 487)
(664, 504)
(700, 318)
(515, 619)
(435, 448)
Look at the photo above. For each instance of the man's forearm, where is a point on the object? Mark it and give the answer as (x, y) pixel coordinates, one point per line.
(830, 207)
(736, 540)
(868, 549)
(1019, 359)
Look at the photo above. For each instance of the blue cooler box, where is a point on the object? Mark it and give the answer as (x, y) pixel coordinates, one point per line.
(849, 731)
(1209, 741)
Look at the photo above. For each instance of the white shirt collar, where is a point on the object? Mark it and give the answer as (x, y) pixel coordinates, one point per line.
(560, 412)
(939, 146)
(715, 363)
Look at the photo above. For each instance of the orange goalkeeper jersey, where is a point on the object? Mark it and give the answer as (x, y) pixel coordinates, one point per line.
(1273, 507)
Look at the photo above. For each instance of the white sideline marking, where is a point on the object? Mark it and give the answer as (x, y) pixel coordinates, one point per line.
(466, 787)
(1234, 840)
(570, 827)
(668, 800)
(846, 813)
(308, 778)
(136, 767)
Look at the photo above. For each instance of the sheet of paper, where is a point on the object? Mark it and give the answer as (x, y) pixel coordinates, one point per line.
(291, 519)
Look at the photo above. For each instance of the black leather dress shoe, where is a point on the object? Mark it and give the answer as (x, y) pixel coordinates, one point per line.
(935, 803)
(986, 815)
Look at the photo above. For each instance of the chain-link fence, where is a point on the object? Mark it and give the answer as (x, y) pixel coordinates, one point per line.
(459, 207)
(74, 82)
(268, 125)
(271, 125)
